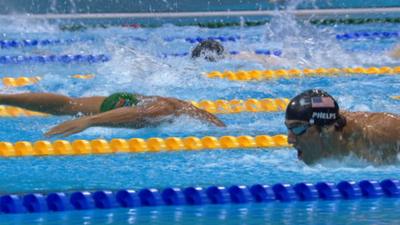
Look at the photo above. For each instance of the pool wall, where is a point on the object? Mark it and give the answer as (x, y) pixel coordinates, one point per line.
(128, 6)
(183, 12)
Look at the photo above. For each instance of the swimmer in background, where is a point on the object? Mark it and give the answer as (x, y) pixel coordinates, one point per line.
(318, 130)
(213, 51)
(123, 110)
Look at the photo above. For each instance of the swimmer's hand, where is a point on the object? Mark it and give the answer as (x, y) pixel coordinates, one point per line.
(70, 127)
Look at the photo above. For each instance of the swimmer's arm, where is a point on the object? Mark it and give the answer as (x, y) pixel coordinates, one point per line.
(200, 114)
(129, 117)
(248, 56)
(266, 61)
(125, 117)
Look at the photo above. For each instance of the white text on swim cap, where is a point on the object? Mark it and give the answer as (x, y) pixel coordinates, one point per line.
(325, 116)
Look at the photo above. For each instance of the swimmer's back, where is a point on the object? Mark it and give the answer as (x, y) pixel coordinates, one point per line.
(378, 127)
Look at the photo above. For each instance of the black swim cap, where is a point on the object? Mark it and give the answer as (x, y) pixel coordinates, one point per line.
(314, 106)
(208, 49)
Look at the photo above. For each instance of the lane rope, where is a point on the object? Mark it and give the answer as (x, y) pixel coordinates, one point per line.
(139, 145)
(267, 52)
(14, 43)
(250, 75)
(26, 81)
(81, 27)
(354, 21)
(19, 59)
(368, 35)
(219, 24)
(195, 195)
(216, 107)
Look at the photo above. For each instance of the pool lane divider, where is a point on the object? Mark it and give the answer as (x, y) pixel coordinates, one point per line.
(243, 75)
(396, 97)
(20, 81)
(257, 75)
(80, 27)
(334, 21)
(216, 107)
(14, 43)
(220, 24)
(139, 145)
(199, 196)
(26, 81)
(66, 59)
(368, 35)
(265, 52)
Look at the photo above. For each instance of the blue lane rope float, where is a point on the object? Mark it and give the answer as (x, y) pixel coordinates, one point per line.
(217, 38)
(266, 52)
(368, 48)
(33, 42)
(192, 40)
(170, 196)
(19, 59)
(367, 35)
(13, 43)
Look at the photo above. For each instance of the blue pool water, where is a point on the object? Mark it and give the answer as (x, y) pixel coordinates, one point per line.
(137, 66)
(383, 211)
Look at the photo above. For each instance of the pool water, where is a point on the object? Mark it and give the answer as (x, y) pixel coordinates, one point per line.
(138, 66)
(321, 212)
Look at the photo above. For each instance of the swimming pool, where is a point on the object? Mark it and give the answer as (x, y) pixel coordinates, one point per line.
(137, 64)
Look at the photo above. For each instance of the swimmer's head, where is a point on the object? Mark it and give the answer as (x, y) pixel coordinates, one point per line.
(315, 107)
(312, 118)
(210, 50)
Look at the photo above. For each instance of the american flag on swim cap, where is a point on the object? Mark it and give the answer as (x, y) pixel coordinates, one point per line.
(322, 102)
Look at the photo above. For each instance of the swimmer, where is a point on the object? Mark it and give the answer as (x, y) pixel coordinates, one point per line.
(213, 51)
(117, 110)
(317, 129)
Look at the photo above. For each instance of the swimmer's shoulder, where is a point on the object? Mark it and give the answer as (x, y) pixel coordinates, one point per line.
(379, 120)
(369, 115)
(375, 122)
(168, 100)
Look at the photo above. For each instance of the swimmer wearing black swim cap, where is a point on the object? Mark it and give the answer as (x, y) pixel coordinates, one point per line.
(213, 51)
(210, 50)
(318, 129)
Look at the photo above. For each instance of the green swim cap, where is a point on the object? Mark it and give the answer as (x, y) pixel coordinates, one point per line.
(118, 100)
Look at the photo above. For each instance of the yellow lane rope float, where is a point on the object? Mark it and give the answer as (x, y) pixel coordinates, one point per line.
(25, 81)
(83, 76)
(216, 107)
(20, 81)
(138, 145)
(396, 97)
(243, 75)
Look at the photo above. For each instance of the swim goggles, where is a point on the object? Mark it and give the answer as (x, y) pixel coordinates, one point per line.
(299, 129)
